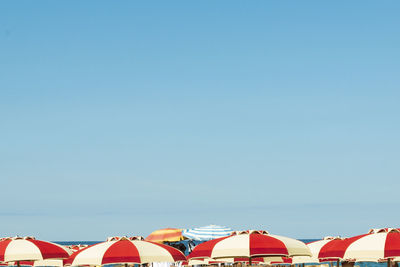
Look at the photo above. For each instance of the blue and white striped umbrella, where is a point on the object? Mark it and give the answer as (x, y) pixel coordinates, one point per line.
(207, 232)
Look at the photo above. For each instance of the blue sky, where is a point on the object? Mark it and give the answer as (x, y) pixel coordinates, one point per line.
(119, 118)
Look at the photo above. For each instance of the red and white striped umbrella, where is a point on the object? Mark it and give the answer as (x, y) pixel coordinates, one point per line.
(29, 249)
(125, 250)
(315, 247)
(250, 244)
(46, 262)
(378, 244)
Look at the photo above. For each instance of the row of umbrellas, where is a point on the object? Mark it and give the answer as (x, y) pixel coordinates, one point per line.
(113, 251)
(137, 250)
(251, 246)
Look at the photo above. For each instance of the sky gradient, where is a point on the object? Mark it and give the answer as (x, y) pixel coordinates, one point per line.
(120, 118)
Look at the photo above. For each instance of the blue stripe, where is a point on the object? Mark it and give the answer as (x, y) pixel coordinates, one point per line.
(207, 232)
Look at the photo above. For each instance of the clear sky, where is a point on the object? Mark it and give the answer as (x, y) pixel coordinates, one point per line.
(123, 117)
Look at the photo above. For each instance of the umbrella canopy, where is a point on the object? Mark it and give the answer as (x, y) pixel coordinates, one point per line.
(48, 262)
(377, 244)
(315, 248)
(250, 244)
(28, 249)
(166, 235)
(125, 250)
(207, 232)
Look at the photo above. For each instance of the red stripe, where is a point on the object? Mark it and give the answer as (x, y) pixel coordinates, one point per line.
(264, 245)
(25, 263)
(336, 248)
(3, 247)
(122, 251)
(165, 235)
(283, 260)
(392, 245)
(205, 249)
(49, 250)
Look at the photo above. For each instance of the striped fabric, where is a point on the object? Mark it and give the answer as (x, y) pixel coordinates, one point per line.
(166, 235)
(315, 248)
(125, 250)
(250, 244)
(378, 244)
(207, 232)
(28, 249)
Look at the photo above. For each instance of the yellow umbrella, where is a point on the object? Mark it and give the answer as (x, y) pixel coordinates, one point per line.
(166, 235)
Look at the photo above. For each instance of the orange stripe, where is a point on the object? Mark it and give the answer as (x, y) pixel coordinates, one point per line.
(169, 234)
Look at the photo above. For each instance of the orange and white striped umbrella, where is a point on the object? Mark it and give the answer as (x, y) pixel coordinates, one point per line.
(166, 235)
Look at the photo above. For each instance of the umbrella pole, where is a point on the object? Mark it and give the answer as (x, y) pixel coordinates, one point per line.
(337, 263)
(388, 262)
(250, 260)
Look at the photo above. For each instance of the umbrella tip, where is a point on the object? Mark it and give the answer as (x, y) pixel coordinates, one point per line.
(17, 237)
(249, 232)
(332, 237)
(117, 238)
(383, 230)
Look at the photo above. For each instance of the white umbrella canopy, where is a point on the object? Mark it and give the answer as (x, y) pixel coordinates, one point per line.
(125, 250)
(376, 245)
(29, 249)
(48, 262)
(315, 248)
(206, 233)
(250, 244)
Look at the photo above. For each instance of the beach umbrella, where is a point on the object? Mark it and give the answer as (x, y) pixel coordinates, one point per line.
(315, 247)
(250, 244)
(19, 249)
(57, 262)
(166, 235)
(207, 232)
(376, 245)
(125, 250)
